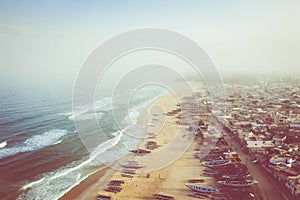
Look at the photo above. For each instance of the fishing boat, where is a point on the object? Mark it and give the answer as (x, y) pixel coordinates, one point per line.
(195, 181)
(162, 196)
(129, 171)
(140, 151)
(218, 197)
(236, 175)
(103, 197)
(113, 189)
(201, 188)
(211, 172)
(116, 182)
(216, 163)
(237, 183)
(126, 175)
(131, 165)
(197, 195)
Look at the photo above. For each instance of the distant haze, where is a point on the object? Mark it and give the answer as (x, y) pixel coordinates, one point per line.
(45, 42)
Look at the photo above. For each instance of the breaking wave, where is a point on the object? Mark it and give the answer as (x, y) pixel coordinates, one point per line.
(55, 184)
(35, 142)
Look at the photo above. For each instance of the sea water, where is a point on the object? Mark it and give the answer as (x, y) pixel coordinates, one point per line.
(41, 154)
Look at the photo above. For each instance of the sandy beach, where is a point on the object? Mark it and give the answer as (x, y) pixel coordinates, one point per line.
(156, 176)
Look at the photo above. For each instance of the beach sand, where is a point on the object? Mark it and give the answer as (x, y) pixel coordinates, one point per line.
(161, 177)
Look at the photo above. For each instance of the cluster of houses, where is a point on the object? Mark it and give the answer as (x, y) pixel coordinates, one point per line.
(264, 117)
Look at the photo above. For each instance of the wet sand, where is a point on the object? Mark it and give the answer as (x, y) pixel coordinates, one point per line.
(86, 185)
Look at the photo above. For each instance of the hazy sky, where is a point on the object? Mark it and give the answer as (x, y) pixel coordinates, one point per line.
(47, 41)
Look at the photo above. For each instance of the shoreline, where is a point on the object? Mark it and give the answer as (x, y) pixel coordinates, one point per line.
(84, 185)
(164, 179)
(97, 179)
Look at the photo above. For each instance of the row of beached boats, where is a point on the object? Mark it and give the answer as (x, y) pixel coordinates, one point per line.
(129, 168)
(233, 173)
(203, 192)
(216, 163)
(230, 172)
(227, 166)
(237, 183)
(115, 186)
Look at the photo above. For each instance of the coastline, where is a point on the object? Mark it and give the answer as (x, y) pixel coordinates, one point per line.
(88, 183)
(165, 180)
(97, 179)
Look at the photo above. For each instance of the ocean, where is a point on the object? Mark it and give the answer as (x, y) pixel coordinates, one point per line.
(41, 154)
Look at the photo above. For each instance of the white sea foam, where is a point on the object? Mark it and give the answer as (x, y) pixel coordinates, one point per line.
(57, 142)
(133, 116)
(35, 142)
(3, 144)
(86, 112)
(29, 185)
(55, 184)
(101, 103)
(78, 113)
(99, 150)
(88, 116)
(66, 114)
